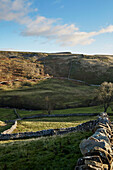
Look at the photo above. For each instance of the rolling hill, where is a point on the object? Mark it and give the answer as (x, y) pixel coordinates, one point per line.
(93, 69)
(19, 70)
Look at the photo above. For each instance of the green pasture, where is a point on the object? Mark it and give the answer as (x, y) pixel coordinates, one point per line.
(61, 94)
(58, 152)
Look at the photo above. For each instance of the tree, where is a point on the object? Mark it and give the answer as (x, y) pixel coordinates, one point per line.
(105, 94)
(48, 105)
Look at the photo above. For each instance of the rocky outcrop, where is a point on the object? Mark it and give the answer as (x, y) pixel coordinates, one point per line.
(97, 149)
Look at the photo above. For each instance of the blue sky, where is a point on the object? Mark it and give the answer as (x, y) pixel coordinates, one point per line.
(78, 26)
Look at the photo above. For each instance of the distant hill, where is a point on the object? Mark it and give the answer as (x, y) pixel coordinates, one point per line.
(93, 69)
(17, 65)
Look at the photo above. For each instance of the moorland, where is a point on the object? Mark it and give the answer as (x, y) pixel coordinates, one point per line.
(48, 83)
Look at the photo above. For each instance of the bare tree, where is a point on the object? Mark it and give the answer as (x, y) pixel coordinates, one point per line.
(48, 105)
(105, 94)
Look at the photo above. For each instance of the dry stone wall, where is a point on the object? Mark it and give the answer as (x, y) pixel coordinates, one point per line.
(97, 149)
(52, 115)
(82, 127)
(59, 115)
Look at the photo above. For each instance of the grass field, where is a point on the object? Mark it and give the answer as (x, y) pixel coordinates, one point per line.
(8, 114)
(28, 126)
(73, 119)
(60, 93)
(93, 109)
(43, 123)
(50, 123)
(60, 152)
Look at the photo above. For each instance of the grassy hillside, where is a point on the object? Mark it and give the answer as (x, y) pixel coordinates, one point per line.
(93, 69)
(14, 65)
(22, 70)
(21, 88)
(60, 152)
(55, 93)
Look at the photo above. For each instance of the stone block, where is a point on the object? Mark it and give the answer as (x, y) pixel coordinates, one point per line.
(104, 131)
(88, 144)
(81, 161)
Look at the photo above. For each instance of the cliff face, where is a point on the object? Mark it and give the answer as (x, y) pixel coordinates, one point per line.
(93, 69)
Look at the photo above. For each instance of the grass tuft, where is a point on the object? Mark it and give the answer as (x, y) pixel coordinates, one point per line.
(60, 152)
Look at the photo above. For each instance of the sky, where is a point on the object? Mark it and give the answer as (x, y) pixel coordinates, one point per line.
(77, 26)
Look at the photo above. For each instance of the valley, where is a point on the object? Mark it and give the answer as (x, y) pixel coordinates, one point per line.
(52, 84)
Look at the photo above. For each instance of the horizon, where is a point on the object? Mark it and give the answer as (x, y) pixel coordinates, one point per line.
(53, 52)
(81, 27)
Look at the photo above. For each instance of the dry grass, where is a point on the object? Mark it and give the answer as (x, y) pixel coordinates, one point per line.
(51, 123)
(2, 123)
(28, 126)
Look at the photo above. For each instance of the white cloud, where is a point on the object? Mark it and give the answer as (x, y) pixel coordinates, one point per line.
(41, 26)
(65, 35)
(109, 29)
(14, 10)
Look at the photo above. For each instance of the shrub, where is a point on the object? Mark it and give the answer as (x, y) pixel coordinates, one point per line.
(26, 83)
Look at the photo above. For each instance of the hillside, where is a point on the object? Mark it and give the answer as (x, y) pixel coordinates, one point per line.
(52, 93)
(14, 66)
(93, 69)
(24, 83)
(45, 153)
